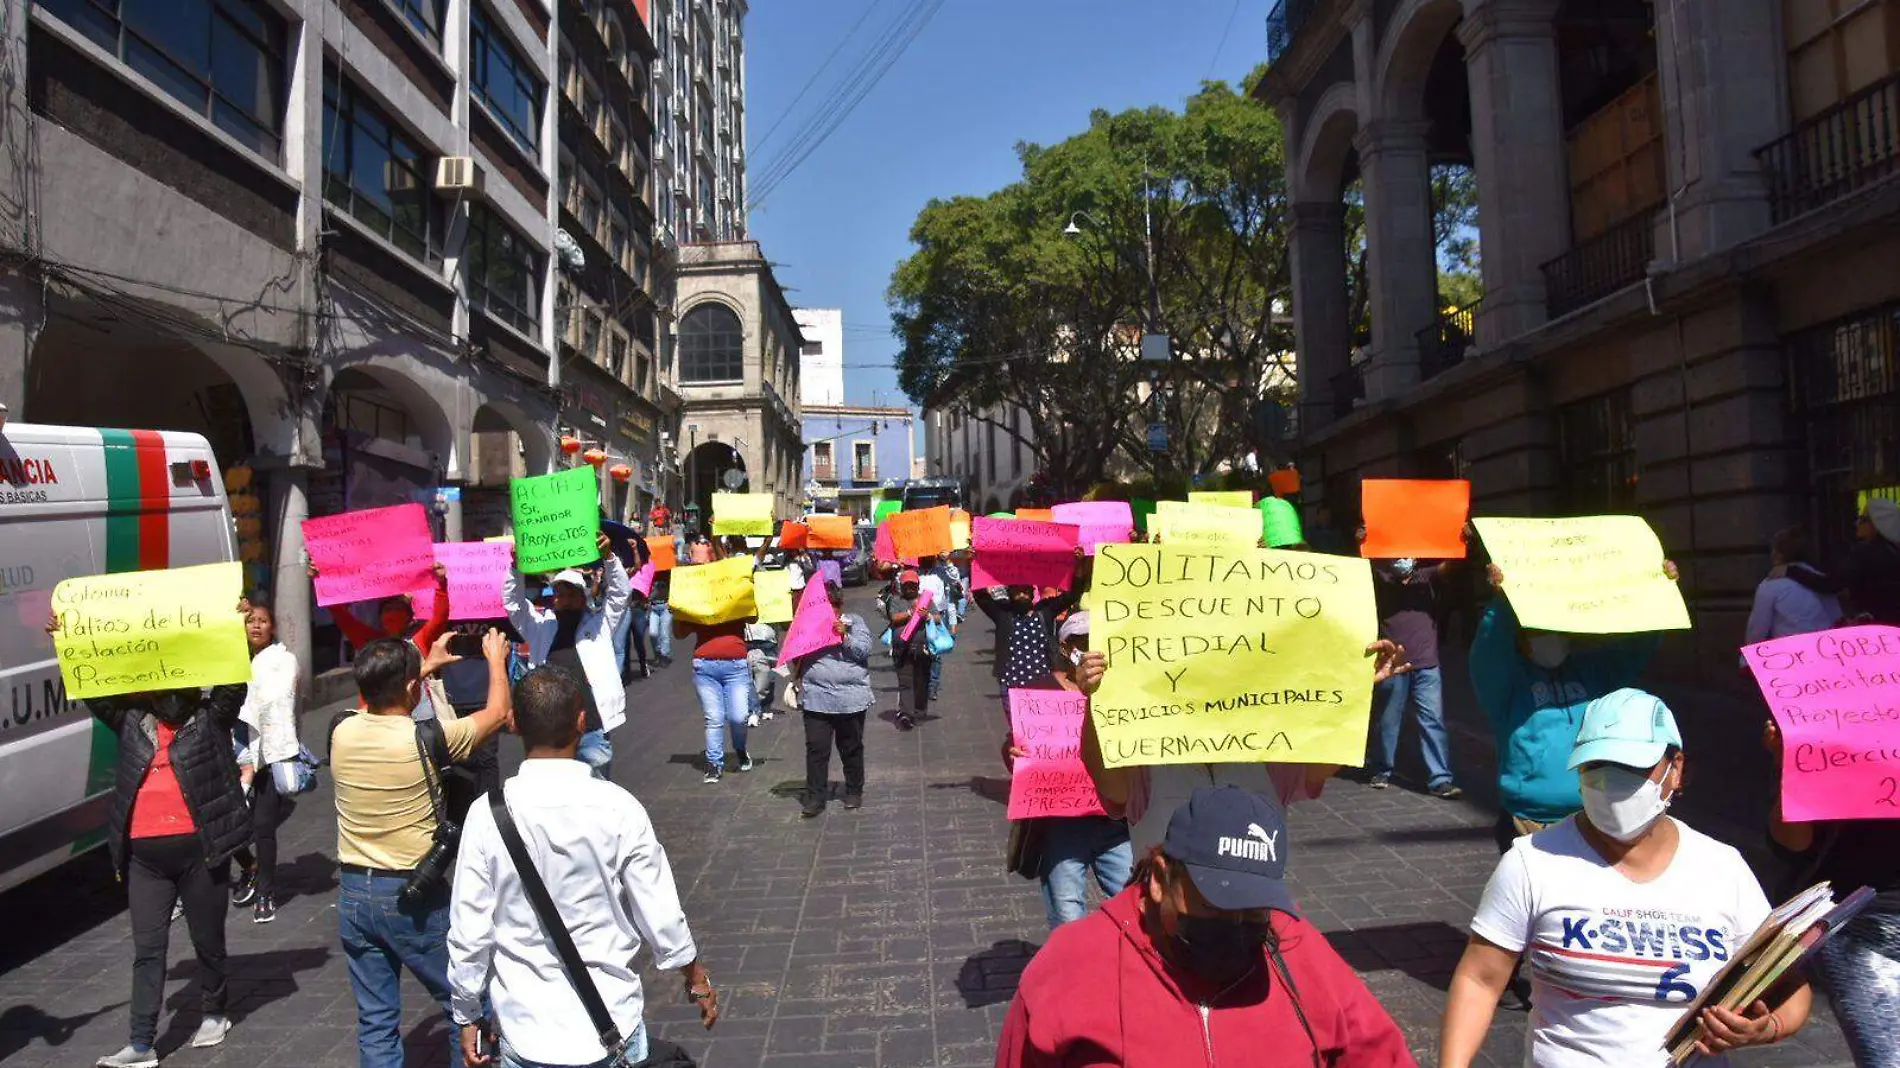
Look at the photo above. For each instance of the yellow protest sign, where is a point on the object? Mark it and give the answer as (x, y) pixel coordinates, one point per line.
(1223, 498)
(714, 593)
(749, 514)
(1231, 655)
(151, 630)
(1594, 575)
(1209, 525)
(959, 530)
(772, 593)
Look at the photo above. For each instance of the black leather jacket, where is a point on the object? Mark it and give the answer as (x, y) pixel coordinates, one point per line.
(202, 758)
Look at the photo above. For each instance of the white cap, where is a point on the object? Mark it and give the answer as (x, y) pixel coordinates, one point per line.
(572, 578)
(1076, 625)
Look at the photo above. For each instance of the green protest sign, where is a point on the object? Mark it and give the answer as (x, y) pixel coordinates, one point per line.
(557, 520)
(1280, 522)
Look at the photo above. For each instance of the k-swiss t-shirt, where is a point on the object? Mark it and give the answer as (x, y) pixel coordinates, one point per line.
(1613, 961)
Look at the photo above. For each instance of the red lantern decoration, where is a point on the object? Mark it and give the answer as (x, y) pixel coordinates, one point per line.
(621, 472)
(595, 456)
(570, 445)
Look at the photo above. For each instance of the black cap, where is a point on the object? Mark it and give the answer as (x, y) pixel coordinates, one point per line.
(1233, 843)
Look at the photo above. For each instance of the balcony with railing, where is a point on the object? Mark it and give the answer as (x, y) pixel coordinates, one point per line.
(1841, 150)
(1615, 258)
(1444, 344)
(1284, 23)
(824, 471)
(866, 471)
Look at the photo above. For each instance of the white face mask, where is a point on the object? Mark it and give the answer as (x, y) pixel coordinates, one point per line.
(1622, 802)
(1549, 651)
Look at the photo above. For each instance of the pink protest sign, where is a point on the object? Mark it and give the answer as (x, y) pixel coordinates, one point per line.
(814, 625)
(1099, 522)
(375, 553)
(643, 579)
(1835, 694)
(1051, 780)
(1019, 552)
(476, 570)
(917, 616)
(886, 550)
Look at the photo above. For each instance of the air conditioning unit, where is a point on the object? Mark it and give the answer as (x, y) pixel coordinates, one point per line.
(458, 175)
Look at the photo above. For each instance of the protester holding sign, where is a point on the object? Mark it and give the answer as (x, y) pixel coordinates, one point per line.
(176, 818)
(1859, 964)
(1622, 913)
(722, 679)
(1872, 574)
(911, 657)
(572, 635)
(1533, 686)
(834, 694)
(1025, 628)
(1203, 960)
(1409, 608)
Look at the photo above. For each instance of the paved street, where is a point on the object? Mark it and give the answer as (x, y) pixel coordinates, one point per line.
(886, 937)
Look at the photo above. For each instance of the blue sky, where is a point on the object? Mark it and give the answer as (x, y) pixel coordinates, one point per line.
(984, 75)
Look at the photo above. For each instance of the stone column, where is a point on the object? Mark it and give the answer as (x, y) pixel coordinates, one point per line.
(291, 601)
(1721, 69)
(1401, 263)
(1324, 336)
(1520, 156)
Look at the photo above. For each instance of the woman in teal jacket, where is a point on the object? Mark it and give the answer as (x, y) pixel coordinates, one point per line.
(1533, 686)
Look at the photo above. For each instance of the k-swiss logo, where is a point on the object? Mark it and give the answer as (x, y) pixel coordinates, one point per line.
(1257, 845)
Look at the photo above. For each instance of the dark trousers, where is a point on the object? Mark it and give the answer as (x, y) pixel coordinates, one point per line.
(637, 636)
(913, 682)
(159, 872)
(472, 779)
(265, 806)
(821, 733)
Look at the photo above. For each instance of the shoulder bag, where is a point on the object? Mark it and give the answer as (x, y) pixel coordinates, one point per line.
(659, 1054)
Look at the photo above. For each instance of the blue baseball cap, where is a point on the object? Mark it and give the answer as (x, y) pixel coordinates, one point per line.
(1627, 727)
(1233, 843)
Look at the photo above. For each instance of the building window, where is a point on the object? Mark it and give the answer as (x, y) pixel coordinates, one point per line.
(590, 334)
(712, 345)
(505, 81)
(863, 466)
(223, 58)
(376, 172)
(424, 15)
(821, 461)
(504, 273)
(617, 355)
(1596, 445)
(617, 240)
(1845, 377)
(591, 200)
(642, 372)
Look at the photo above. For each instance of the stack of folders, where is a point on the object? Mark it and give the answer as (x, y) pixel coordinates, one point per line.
(1784, 940)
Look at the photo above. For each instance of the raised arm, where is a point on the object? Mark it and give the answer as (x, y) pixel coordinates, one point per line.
(438, 615)
(357, 632)
(616, 591)
(521, 611)
(224, 703)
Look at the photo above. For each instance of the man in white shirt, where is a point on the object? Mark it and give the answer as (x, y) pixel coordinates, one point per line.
(595, 849)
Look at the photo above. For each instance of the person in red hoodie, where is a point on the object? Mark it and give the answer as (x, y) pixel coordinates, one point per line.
(1201, 961)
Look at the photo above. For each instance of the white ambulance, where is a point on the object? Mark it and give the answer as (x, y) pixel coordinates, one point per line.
(80, 501)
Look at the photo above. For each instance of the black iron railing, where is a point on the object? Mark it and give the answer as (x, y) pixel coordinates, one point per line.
(1443, 344)
(1349, 388)
(1602, 265)
(1847, 147)
(1284, 23)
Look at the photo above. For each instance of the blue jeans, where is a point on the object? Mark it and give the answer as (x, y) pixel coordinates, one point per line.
(597, 752)
(621, 630)
(636, 1052)
(381, 936)
(660, 629)
(637, 635)
(725, 695)
(1073, 846)
(1424, 689)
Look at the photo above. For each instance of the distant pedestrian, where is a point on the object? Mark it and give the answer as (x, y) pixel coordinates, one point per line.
(1025, 632)
(1872, 573)
(594, 849)
(1796, 597)
(1409, 605)
(723, 683)
(910, 656)
(393, 848)
(834, 695)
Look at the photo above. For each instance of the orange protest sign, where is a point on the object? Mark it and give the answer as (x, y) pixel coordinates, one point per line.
(1414, 517)
(792, 535)
(1038, 515)
(1285, 482)
(920, 533)
(661, 550)
(829, 532)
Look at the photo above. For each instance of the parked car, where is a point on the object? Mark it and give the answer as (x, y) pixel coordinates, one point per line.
(856, 569)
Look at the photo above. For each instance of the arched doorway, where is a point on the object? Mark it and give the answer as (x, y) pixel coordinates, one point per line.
(382, 445)
(712, 467)
(503, 444)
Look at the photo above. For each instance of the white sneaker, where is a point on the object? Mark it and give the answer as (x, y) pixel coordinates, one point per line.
(211, 1032)
(129, 1058)
(752, 721)
(768, 716)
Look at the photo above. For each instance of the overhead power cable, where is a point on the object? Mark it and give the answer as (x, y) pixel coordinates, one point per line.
(815, 75)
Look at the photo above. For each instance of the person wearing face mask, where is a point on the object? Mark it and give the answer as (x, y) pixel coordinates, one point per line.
(1202, 960)
(1410, 602)
(1534, 686)
(1622, 913)
(572, 635)
(176, 818)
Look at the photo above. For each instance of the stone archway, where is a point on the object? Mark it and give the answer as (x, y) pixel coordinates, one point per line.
(708, 471)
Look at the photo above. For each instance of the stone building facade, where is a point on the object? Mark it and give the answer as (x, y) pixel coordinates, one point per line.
(1689, 216)
(737, 348)
(700, 110)
(265, 247)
